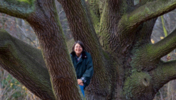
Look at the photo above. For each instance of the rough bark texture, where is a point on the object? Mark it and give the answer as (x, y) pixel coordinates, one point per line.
(54, 49)
(116, 33)
(83, 30)
(26, 64)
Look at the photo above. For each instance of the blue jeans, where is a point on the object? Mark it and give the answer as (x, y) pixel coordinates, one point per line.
(82, 89)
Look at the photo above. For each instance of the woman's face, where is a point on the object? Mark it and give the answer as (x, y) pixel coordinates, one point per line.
(78, 49)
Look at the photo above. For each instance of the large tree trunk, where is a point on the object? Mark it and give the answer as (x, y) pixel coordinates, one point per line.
(126, 65)
(54, 49)
(46, 24)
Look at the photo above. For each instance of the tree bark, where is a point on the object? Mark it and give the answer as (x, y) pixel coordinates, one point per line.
(126, 66)
(54, 50)
(82, 29)
(26, 64)
(45, 22)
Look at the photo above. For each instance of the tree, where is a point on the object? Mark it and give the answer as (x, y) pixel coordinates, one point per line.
(117, 33)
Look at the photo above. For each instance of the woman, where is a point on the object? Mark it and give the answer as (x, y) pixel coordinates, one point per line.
(83, 65)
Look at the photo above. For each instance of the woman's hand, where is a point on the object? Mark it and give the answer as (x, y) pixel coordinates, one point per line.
(80, 82)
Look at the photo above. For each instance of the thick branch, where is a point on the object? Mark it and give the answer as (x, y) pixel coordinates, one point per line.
(26, 64)
(109, 18)
(93, 6)
(101, 6)
(112, 13)
(146, 12)
(79, 22)
(45, 22)
(17, 8)
(47, 27)
(143, 33)
(141, 46)
(164, 73)
(162, 47)
(103, 33)
(138, 84)
(151, 53)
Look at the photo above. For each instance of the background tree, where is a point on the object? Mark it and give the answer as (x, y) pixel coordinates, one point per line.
(117, 33)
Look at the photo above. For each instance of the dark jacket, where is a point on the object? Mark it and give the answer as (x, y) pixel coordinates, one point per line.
(83, 67)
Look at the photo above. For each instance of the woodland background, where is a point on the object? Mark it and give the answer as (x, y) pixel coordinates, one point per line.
(11, 89)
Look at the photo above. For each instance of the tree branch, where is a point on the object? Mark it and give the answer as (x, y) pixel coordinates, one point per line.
(143, 34)
(26, 64)
(162, 47)
(150, 10)
(103, 33)
(101, 6)
(164, 73)
(110, 16)
(141, 83)
(45, 22)
(151, 53)
(47, 27)
(93, 6)
(112, 13)
(17, 8)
